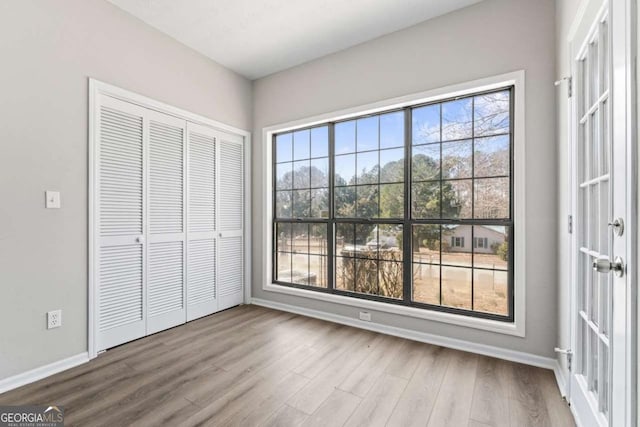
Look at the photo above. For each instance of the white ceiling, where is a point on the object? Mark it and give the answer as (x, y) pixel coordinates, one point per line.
(258, 37)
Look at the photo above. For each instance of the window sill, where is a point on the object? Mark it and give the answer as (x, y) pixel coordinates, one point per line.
(515, 328)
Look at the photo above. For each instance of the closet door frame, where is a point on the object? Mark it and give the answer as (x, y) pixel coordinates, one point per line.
(98, 89)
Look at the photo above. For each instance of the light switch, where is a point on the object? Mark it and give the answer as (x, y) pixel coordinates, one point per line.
(52, 199)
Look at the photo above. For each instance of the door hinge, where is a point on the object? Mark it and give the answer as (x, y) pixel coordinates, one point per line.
(569, 81)
(568, 353)
(570, 224)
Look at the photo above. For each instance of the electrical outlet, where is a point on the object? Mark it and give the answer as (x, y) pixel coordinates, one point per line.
(365, 315)
(52, 199)
(54, 319)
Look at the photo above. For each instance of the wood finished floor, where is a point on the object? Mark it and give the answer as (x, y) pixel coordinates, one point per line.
(251, 366)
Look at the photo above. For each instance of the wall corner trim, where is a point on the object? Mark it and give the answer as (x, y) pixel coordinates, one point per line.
(41, 372)
(454, 343)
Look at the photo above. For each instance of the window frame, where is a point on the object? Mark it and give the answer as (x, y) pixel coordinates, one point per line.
(513, 324)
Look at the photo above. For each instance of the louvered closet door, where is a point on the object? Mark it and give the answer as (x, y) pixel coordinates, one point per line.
(202, 246)
(231, 217)
(120, 223)
(166, 247)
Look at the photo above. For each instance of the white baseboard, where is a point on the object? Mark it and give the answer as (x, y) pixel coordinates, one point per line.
(36, 374)
(483, 349)
(560, 379)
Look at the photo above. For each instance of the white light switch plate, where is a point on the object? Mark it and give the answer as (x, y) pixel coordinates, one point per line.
(52, 199)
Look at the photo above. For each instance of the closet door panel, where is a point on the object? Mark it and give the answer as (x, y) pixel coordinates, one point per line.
(119, 205)
(202, 291)
(166, 249)
(231, 209)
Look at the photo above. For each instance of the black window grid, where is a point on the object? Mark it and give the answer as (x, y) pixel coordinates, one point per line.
(408, 221)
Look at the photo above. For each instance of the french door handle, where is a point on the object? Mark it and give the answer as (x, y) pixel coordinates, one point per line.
(140, 239)
(605, 266)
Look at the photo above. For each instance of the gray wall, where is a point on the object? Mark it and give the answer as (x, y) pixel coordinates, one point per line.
(48, 50)
(566, 11)
(489, 38)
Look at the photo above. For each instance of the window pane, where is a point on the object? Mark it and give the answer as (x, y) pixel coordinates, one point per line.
(456, 287)
(345, 273)
(301, 203)
(284, 176)
(283, 236)
(300, 238)
(456, 119)
(491, 113)
(301, 144)
(367, 133)
(456, 245)
(367, 201)
(318, 239)
(317, 271)
(366, 276)
(426, 283)
(300, 269)
(320, 173)
(426, 244)
(426, 124)
(389, 242)
(345, 239)
(390, 279)
(492, 198)
(490, 291)
(494, 255)
(392, 201)
(345, 137)
(425, 200)
(345, 169)
(345, 202)
(392, 165)
(284, 203)
(301, 177)
(366, 241)
(456, 199)
(426, 162)
(392, 130)
(456, 159)
(283, 273)
(491, 156)
(320, 203)
(320, 141)
(284, 147)
(368, 169)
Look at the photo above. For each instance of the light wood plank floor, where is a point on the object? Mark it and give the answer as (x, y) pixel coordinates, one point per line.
(251, 366)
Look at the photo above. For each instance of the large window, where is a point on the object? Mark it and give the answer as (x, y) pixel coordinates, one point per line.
(411, 206)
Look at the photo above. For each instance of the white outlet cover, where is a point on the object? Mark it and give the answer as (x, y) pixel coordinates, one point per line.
(52, 199)
(365, 315)
(54, 319)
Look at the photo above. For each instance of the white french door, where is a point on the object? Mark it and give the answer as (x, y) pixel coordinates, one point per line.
(167, 224)
(600, 380)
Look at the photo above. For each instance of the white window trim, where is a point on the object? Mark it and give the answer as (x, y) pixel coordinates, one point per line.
(516, 79)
